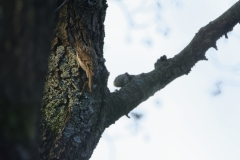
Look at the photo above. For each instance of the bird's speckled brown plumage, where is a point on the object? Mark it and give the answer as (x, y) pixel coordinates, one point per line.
(87, 59)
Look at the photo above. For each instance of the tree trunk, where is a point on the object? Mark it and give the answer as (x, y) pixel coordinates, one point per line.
(73, 117)
(71, 122)
(25, 29)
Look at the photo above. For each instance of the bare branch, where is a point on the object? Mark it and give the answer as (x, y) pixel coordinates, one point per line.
(166, 70)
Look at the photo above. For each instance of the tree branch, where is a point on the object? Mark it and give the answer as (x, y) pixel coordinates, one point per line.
(141, 87)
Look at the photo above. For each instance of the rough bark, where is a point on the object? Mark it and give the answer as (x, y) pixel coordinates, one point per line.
(25, 34)
(73, 118)
(71, 122)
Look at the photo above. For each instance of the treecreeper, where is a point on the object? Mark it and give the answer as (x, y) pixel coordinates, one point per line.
(86, 57)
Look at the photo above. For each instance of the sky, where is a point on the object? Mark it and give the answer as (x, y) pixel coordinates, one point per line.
(196, 117)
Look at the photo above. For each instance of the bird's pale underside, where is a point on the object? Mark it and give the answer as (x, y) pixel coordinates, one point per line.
(87, 59)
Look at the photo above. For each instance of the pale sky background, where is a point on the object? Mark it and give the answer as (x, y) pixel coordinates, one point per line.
(196, 117)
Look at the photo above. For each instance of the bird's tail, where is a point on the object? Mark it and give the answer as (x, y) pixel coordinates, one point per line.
(90, 82)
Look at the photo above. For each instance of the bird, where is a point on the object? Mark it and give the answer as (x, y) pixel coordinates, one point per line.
(86, 57)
